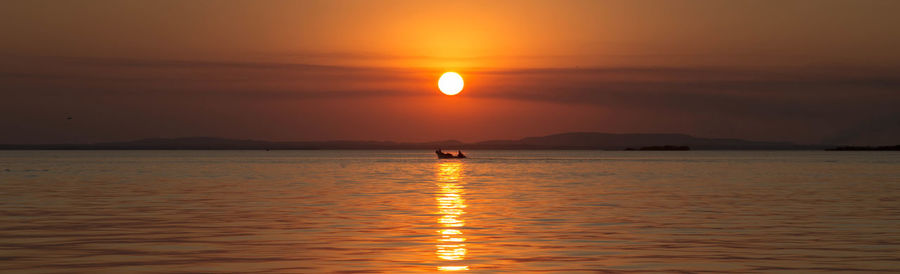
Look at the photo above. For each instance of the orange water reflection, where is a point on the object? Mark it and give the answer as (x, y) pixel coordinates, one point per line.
(451, 247)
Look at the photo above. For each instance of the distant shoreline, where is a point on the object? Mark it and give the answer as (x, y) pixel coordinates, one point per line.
(563, 141)
(7, 148)
(865, 148)
(99, 148)
(273, 149)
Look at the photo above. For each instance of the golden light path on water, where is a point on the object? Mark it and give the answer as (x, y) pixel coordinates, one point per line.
(451, 247)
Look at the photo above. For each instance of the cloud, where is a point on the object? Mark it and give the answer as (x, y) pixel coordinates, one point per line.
(789, 92)
(98, 76)
(655, 86)
(163, 63)
(815, 99)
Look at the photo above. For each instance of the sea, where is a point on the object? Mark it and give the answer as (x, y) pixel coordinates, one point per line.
(400, 211)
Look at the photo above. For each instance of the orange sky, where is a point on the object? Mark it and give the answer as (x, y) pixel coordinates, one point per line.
(803, 71)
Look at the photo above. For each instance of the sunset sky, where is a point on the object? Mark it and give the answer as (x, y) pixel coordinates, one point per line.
(801, 71)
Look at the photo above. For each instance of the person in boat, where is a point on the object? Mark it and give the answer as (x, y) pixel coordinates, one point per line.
(459, 154)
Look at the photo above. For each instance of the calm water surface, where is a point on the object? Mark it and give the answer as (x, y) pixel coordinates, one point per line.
(404, 211)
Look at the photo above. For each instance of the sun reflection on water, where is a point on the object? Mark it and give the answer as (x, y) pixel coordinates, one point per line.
(451, 245)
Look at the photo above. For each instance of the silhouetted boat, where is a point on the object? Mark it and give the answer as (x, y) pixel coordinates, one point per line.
(442, 155)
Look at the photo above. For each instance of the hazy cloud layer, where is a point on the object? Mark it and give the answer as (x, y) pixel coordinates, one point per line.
(810, 104)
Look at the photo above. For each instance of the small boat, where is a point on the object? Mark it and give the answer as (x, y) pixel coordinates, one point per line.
(442, 155)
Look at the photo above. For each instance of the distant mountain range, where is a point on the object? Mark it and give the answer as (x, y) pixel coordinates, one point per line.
(574, 140)
(610, 141)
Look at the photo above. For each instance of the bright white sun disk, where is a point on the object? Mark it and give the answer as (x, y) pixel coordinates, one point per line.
(450, 83)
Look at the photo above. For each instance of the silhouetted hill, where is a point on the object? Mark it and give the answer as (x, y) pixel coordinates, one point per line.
(611, 141)
(574, 140)
(662, 148)
(207, 142)
(211, 143)
(859, 148)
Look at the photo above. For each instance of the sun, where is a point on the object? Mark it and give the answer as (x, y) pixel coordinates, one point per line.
(450, 83)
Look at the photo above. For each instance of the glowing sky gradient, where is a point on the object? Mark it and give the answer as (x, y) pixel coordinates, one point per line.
(802, 71)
